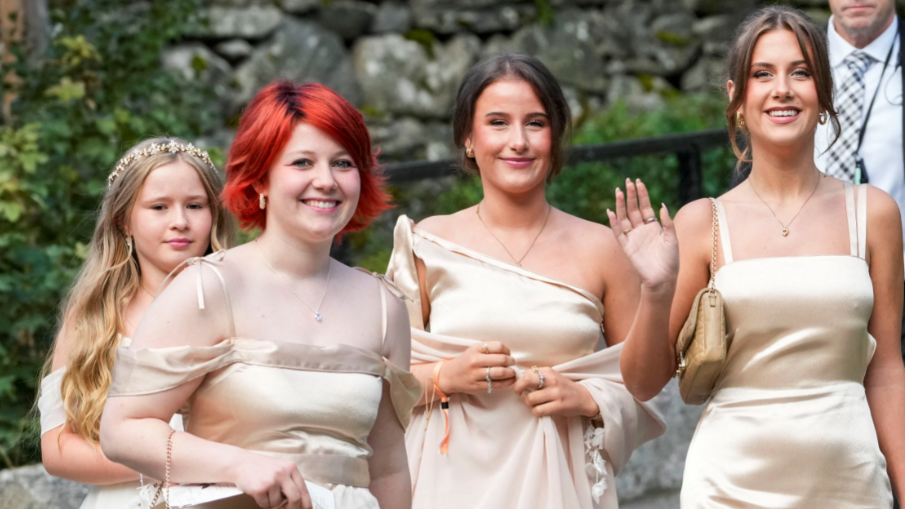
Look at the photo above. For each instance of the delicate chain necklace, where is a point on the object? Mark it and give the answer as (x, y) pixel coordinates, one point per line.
(785, 227)
(146, 290)
(317, 314)
(518, 262)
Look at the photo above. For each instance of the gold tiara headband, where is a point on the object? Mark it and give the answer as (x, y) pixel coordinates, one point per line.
(171, 147)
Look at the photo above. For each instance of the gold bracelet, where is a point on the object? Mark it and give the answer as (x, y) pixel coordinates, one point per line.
(166, 482)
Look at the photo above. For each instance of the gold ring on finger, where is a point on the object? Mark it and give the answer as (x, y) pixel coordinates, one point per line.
(485, 348)
(650, 220)
(626, 232)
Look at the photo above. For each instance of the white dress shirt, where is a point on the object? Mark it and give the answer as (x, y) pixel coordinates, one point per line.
(882, 146)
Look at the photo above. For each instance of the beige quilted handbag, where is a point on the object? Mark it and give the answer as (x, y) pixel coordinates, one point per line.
(702, 345)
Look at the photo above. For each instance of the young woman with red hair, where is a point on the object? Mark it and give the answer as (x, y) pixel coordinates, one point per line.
(291, 366)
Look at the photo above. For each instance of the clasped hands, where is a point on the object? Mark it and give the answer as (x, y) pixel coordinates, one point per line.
(558, 395)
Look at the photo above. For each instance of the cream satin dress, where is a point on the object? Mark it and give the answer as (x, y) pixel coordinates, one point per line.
(788, 425)
(53, 415)
(500, 455)
(309, 404)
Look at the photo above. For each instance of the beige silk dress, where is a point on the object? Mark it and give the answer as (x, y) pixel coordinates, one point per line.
(788, 425)
(310, 404)
(500, 454)
(111, 496)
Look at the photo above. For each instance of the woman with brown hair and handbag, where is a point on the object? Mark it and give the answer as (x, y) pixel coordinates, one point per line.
(807, 403)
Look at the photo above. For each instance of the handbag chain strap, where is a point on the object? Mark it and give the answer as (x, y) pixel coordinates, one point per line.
(716, 226)
(166, 482)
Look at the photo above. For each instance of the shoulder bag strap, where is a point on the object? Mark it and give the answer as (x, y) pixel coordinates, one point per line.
(716, 226)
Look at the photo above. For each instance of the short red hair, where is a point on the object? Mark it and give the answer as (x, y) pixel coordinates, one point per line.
(266, 127)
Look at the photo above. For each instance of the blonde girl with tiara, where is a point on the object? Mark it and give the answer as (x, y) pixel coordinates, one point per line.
(160, 208)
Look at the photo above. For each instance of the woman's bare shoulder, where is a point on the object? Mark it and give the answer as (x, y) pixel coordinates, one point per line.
(446, 226)
(595, 236)
(696, 215)
(882, 208)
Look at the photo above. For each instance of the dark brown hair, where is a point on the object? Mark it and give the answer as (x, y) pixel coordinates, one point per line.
(545, 86)
(812, 42)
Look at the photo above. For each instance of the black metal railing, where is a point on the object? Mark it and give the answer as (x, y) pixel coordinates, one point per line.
(687, 148)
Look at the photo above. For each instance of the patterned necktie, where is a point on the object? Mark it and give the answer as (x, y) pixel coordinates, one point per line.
(849, 105)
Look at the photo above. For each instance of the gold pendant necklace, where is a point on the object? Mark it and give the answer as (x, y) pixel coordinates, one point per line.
(518, 263)
(785, 227)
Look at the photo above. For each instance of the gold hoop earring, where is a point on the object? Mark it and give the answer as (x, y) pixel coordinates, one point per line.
(740, 119)
(261, 201)
(823, 118)
(469, 153)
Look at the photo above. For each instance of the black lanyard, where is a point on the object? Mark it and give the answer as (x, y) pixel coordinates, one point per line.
(861, 171)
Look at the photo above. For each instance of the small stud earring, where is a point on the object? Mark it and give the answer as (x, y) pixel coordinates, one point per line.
(261, 201)
(129, 245)
(740, 119)
(823, 118)
(469, 153)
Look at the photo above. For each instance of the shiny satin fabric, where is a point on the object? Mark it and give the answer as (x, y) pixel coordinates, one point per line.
(312, 405)
(789, 425)
(500, 454)
(50, 405)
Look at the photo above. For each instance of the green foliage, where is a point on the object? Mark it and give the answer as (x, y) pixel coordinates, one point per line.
(546, 15)
(98, 91)
(673, 38)
(425, 38)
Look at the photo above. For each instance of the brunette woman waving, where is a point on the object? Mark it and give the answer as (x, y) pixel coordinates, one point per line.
(506, 301)
(809, 405)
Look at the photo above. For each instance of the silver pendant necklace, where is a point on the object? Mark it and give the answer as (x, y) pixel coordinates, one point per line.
(317, 314)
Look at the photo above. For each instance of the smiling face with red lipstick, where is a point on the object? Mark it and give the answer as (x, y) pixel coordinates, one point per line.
(171, 218)
(511, 137)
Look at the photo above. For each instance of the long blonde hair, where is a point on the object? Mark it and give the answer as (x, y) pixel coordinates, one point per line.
(92, 315)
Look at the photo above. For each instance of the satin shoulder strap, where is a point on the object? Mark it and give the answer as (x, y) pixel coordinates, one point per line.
(386, 285)
(403, 272)
(724, 232)
(852, 220)
(199, 285)
(862, 221)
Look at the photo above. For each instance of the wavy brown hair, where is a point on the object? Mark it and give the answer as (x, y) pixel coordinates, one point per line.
(92, 316)
(812, 42)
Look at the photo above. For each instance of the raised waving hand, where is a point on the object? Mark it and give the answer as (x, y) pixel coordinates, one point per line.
(652, 248)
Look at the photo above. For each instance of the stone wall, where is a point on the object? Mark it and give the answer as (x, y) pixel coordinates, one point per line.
(401, 61)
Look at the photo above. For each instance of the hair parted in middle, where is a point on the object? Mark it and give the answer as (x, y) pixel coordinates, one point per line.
(812, 42)
(515, 66)
(266, 127)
